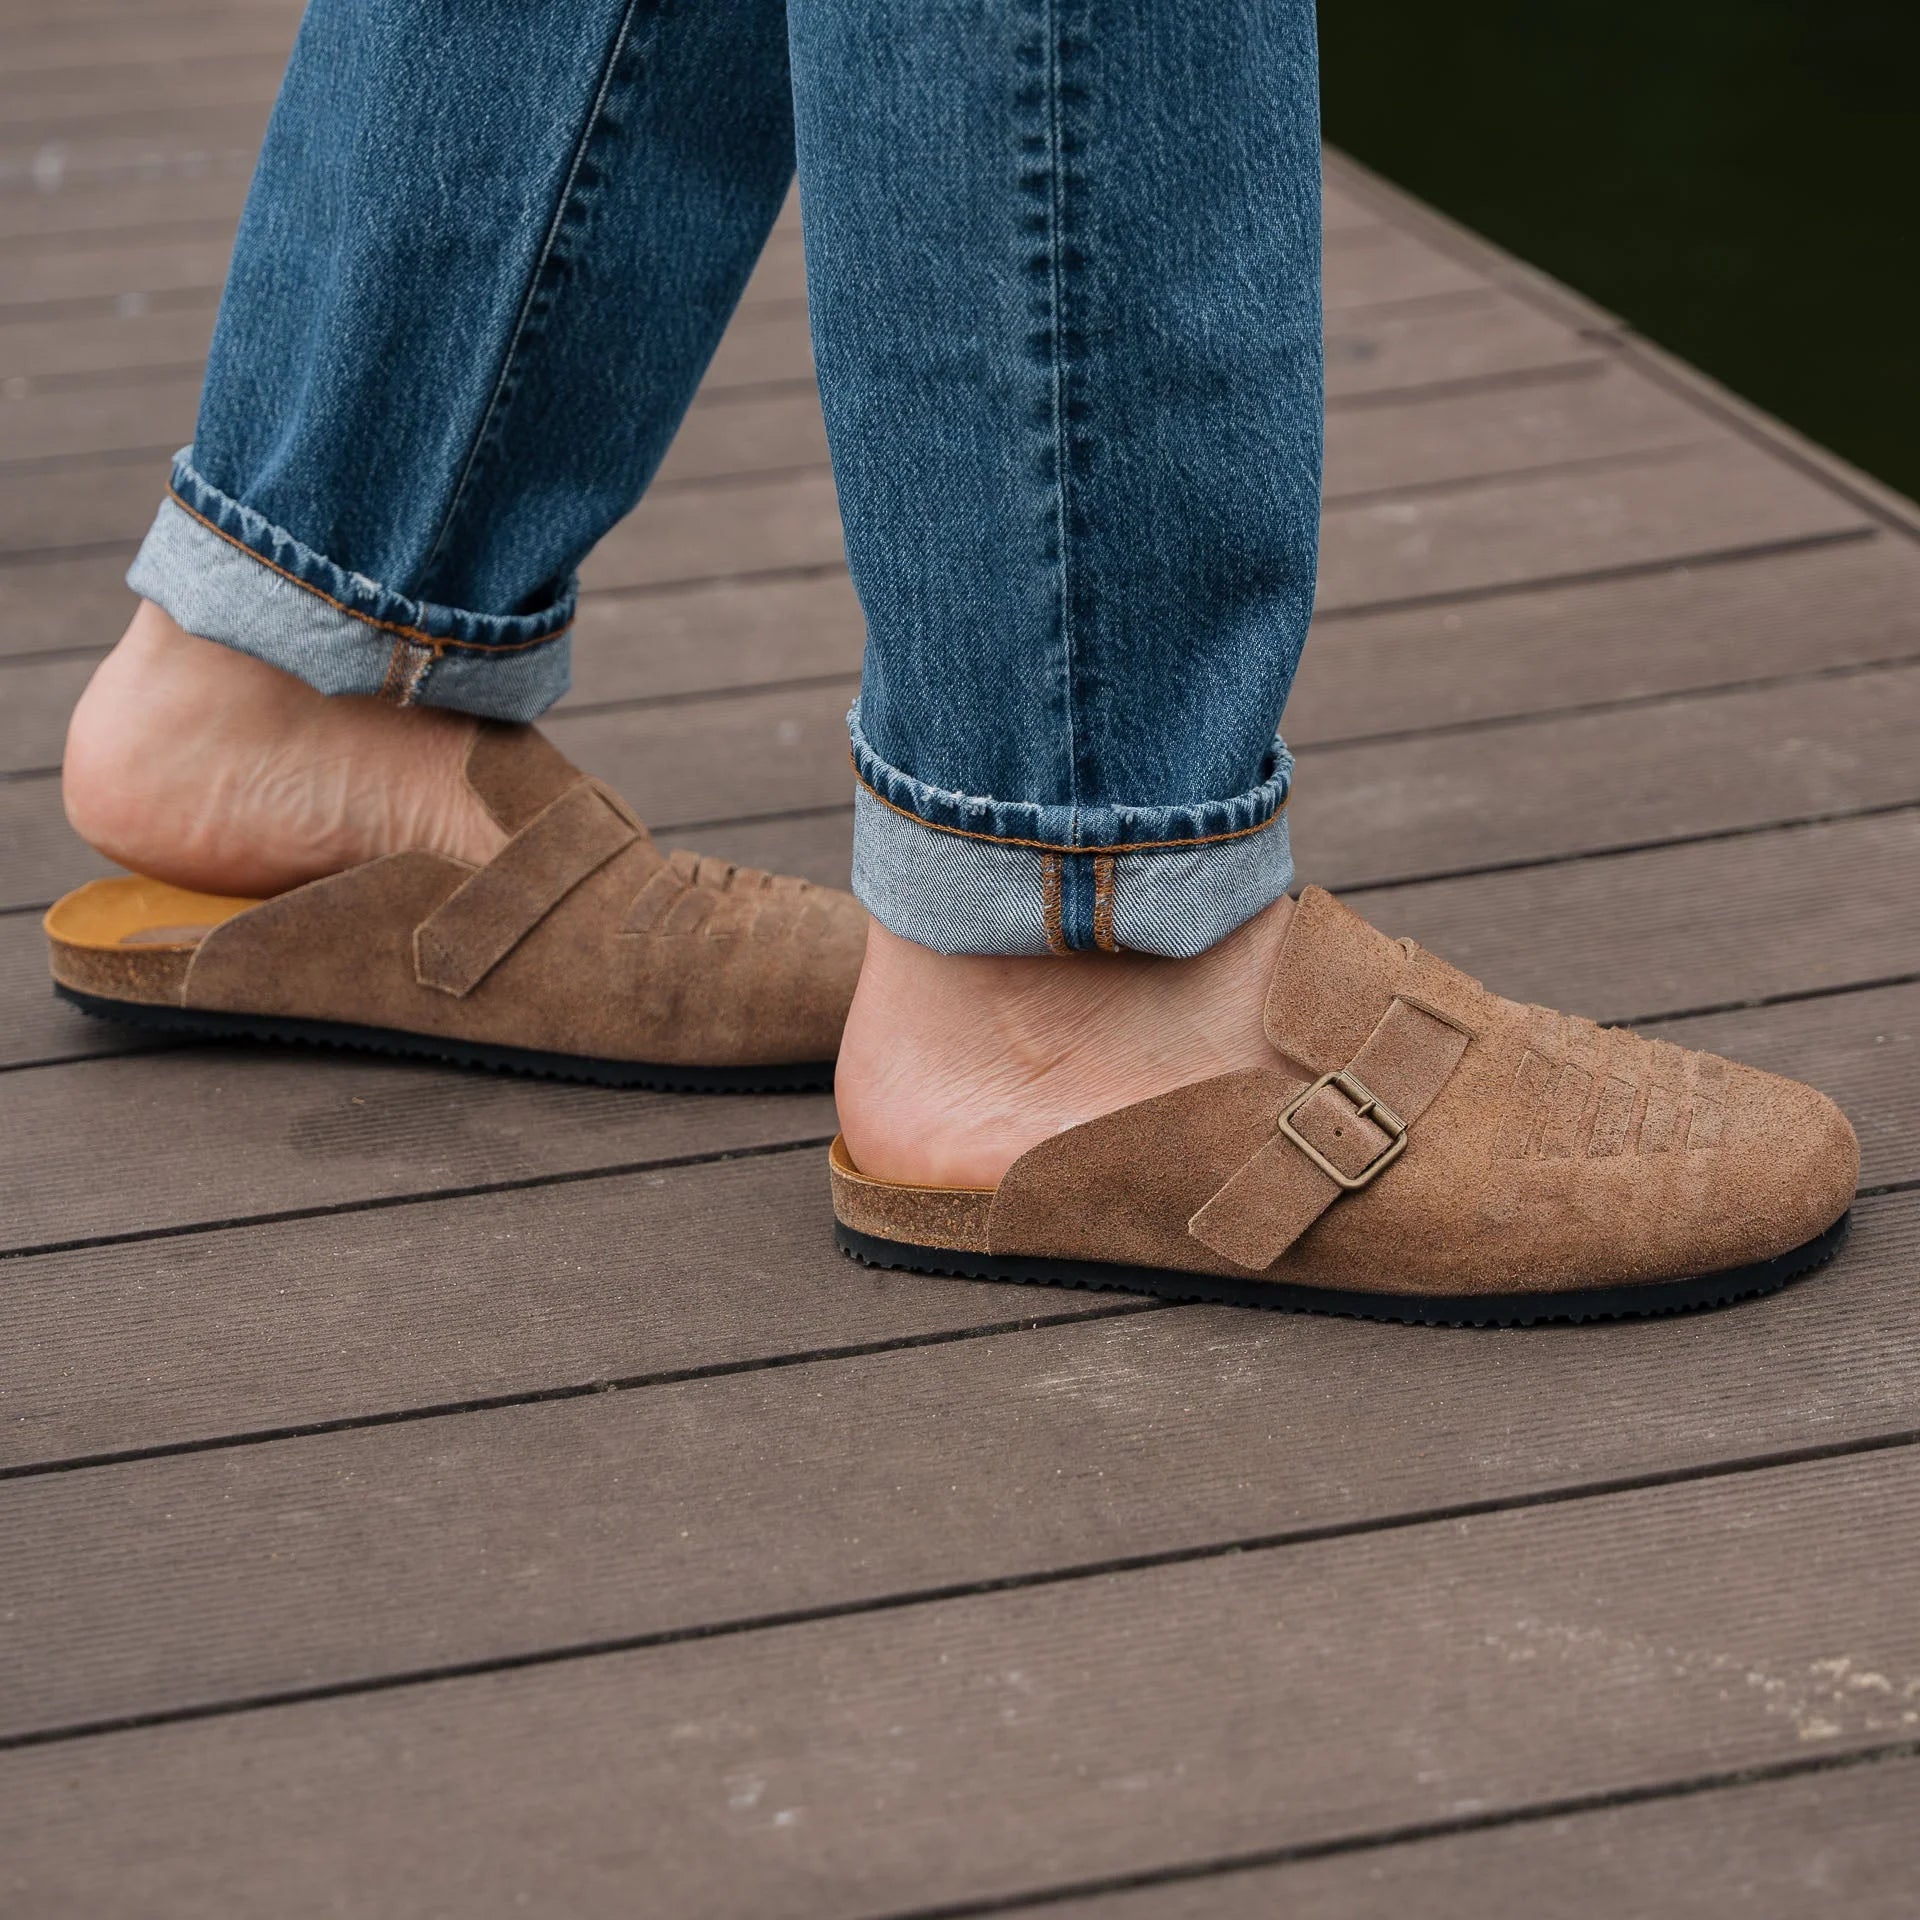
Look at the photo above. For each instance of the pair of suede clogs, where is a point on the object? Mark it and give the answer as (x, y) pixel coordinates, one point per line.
(1417, 1149)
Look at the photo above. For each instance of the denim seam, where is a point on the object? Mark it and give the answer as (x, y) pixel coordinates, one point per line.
(1057, 393)
(490, 420)
(437, 642)
(407, 672)
(1051, 846)
(1052, 871)
(1104, 870)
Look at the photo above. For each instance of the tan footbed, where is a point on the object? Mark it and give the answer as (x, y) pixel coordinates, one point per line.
(952, 1217)
(132, 938)
(1541, 1154)
(579, 938)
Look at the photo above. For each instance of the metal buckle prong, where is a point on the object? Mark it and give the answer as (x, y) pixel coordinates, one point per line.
(1367, 1106)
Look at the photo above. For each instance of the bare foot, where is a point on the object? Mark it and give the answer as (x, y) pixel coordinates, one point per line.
(203, 767)
(952, 1067)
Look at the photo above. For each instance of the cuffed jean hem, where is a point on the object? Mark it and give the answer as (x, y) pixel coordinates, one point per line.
(981, 888)
(224, 572)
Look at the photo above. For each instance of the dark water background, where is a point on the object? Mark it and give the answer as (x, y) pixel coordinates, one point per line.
(1739, 179)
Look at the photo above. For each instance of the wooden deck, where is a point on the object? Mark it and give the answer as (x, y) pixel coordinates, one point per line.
(432, 1495)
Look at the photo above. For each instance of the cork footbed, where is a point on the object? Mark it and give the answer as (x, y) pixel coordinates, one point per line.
(133, 911)
(131, 938)
(946, 1217)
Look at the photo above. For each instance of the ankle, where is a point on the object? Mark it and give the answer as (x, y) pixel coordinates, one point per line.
(952, 1066)
(201, 766)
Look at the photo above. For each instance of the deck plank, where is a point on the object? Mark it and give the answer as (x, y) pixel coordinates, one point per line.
(83, 213)
(367, 1315)
(1773, 1850)
(233, 1133)
(170, 1586)
(853, 1766)
(201, 143)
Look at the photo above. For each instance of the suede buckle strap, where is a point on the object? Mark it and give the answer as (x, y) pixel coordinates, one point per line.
(1334, 1137)
(494, 909)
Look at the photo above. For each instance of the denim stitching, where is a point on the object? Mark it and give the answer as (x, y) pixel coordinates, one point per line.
(1043, 186)
(1103, 876)
(1056, 342)
(538, 282)
(1048, 846)
(416, 634)
(1051, 865)
(414, 663)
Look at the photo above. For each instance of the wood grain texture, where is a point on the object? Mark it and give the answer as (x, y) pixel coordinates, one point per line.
(1717, 923)
(114, 270)
(1387, 266)
(170, 341)
(1144, 1720)
(1385, 350)
(77, 212)
(53, 605)
(57, 51)
(199, 143)
(108, 502)
(228, 1133)
(1586, 782)
(111, 92)
(97, 422)
(1773, 1850)
(1449, 437)
(1651, 511)
(1535, 789)
(541, 1290)
(173, 1585)
(1674, 630)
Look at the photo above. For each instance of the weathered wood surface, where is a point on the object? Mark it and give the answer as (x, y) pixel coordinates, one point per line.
(999, 1744)
(160, 1587)
(1821, 1841)
(500, 1496)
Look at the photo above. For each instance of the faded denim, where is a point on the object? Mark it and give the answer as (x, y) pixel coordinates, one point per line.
(1063, 268)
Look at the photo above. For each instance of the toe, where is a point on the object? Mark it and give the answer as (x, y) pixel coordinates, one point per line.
(1792, 1160)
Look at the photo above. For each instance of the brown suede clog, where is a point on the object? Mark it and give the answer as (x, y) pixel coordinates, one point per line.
(579, 951)
(1420, 1149)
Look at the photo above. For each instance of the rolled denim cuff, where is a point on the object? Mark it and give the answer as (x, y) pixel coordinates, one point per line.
(224, 572)
(965, 874)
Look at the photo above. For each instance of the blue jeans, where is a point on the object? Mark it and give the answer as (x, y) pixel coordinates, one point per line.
(1063, 269)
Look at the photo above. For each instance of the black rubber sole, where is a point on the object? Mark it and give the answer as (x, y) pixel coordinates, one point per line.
(812, 1076)
(1690, 1295)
